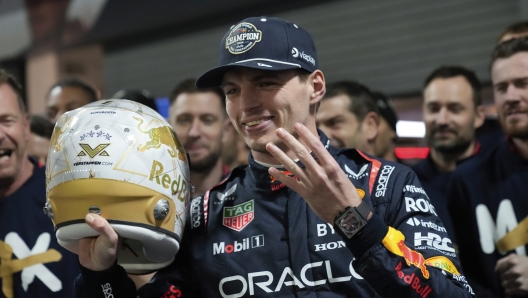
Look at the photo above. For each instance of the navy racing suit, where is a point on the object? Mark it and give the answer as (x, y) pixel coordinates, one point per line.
(253, 236)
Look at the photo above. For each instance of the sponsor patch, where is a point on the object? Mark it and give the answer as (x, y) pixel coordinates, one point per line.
(330, 245)
(221, 197)
(302, 55)
(428, 224)
(260, 283)
(383, 180)
(107, 290)
(196, 212)
(276, 184)
(414, 189)
(442, 263)
(394, 241)
(245, 244)
(413, 281)
(239, 216)
(418, 205)
(360, 174)
(433, 240)
(242, 38)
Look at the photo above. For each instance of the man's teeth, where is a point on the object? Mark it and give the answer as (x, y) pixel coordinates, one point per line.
(253, 123)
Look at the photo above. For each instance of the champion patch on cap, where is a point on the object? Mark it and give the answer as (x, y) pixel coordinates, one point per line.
(242, 38)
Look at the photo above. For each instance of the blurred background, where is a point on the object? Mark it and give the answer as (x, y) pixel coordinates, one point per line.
(390, 46)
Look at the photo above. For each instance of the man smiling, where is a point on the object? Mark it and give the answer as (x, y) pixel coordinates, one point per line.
(291, 223)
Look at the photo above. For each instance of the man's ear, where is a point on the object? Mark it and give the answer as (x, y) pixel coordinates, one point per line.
(27, 126)
(317, 80)
(480, 116)
(370, 126)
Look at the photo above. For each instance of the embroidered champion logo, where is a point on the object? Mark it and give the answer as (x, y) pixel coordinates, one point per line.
(360, 174)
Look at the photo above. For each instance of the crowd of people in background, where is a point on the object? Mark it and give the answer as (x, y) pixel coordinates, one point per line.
(475, 185)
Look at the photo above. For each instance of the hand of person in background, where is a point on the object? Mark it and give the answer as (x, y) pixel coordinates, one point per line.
(98, 253)
(513, 273)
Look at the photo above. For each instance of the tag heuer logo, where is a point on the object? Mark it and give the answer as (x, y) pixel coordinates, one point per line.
(239, 216)
(92, 152)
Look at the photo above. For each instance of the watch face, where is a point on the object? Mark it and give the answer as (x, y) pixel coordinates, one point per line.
(351, 222)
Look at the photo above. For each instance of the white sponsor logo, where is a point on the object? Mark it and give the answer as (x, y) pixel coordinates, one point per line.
(22, 251)
(421, 204)
(295, 52)
(308, 58)
(227, 195)
(463, 280)
(414, 189)
(264, 279)
(322, 231)
(246, 243)
(383, 180)
(358, 175)
(490, 231)
(329, 245)
(264, 65)
(107, 290)
(433, 240)
(195, 212)
(428, 224)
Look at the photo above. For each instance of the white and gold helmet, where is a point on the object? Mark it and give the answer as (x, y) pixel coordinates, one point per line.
(122, 160)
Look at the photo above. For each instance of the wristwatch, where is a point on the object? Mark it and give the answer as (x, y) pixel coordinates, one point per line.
(350, 221)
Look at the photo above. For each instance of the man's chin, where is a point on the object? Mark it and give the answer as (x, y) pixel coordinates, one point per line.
(452, 147)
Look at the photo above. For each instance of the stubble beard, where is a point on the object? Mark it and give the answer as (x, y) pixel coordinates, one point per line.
(513, 129)
(207, 163)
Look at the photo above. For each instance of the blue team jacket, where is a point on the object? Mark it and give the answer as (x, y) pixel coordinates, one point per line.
(252, 236)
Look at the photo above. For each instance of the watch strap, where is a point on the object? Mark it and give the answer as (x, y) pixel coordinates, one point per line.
(363, 209)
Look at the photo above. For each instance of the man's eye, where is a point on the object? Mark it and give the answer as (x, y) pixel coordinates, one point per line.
(229, 91)
(266, 84)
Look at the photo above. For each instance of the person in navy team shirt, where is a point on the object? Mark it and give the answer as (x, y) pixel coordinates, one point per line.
(488, 193)
(452, 111)
(32, 263)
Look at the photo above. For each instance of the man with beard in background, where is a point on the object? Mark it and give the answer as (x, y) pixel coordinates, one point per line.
(452, 111)
(200, 121)
(487, 195)
(199, 118)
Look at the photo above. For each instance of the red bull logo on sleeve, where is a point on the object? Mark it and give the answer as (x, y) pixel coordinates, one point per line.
(394, 241)
(413, 257)
(273, 180)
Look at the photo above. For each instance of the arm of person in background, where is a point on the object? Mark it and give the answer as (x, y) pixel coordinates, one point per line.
(513, 272)
(387, 268)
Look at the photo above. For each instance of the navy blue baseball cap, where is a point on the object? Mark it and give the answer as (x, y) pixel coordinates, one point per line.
(262, 43)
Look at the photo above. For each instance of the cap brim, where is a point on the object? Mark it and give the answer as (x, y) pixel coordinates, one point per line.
(214, 77)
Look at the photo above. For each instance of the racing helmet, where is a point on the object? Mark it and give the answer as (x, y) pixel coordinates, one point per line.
(122, 160)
